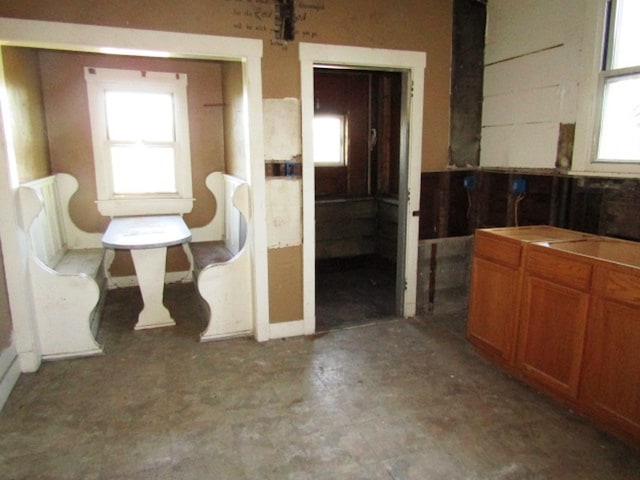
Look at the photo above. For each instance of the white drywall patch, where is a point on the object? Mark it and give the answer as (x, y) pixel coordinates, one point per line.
(281, 128)
(284, 212)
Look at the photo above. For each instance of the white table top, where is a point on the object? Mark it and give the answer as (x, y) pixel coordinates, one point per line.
(152, 231)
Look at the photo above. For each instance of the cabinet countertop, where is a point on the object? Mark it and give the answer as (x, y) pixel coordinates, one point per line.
(594, 247)
(612, 250)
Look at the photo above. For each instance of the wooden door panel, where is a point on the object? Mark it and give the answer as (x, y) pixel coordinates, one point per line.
(552, 334)
(611, 378)
(493, 308)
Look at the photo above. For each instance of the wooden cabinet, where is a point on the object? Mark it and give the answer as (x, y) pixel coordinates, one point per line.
(553, 320)
(563, 315)
(611, 373)
(493, 298)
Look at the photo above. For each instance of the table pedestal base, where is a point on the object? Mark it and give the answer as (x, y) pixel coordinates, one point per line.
(150, 269)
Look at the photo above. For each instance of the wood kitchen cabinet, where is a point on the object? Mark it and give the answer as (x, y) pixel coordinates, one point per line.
(611, 373)
(553, 319)
(494, 299)
(572, 328)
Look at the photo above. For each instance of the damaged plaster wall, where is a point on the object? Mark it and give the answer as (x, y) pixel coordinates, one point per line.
(444, 270)
(469, 17)
(532, 66)
(284, 210)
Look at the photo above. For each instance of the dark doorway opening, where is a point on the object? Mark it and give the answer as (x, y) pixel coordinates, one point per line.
(356, 195)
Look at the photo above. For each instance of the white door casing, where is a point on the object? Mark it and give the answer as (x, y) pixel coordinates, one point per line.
(413, 65)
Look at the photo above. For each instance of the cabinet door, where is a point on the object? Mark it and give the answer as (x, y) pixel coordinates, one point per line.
(611, 377)
(493, 309)
(551, 337)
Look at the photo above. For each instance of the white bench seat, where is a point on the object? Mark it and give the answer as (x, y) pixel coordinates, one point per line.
(86, 261)
(66, 270)
(222, 261)
(209, 252)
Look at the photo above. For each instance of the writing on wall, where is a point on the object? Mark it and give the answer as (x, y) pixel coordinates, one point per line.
(258, 18)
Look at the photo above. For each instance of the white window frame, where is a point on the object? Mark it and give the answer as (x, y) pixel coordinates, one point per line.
(592, 81)
(100, 80)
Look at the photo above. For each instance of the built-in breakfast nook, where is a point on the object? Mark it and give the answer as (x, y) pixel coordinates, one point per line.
(114, 182)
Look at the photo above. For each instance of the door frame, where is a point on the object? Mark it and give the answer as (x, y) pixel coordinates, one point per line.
(413, 65)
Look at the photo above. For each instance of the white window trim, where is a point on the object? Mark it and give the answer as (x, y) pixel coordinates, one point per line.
(590, 99)
(110, 204)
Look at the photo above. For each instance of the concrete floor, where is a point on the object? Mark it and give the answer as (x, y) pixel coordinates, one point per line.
(354, 291)
(394, 400)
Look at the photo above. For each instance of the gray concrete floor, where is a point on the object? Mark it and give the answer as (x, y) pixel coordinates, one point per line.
(393, 400)
(354, 291)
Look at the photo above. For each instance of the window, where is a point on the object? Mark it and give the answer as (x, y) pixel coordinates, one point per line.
(139, 123)
(619, 135)
(329, 140)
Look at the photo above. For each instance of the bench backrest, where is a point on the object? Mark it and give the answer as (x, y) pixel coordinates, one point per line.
(233, 209)
(42, 219)
(236, 210)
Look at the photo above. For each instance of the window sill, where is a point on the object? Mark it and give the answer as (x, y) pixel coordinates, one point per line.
(603, 169)
(144, 206)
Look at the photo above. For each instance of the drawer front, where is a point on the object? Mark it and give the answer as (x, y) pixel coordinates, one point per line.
(614, 284)
(497, 249)
(559, 269)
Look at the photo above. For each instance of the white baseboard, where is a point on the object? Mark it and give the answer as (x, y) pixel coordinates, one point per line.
(286, 329)
(224, 336)
(9, 373)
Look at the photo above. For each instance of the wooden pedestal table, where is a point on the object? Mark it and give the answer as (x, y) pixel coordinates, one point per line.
(147, 237)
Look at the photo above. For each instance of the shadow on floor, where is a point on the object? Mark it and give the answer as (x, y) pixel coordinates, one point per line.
(354, 291)
(123, 305)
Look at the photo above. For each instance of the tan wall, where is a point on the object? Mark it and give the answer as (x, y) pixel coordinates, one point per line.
(22, 75)
(30, 142)
(5, 313)
(423, 25)
(67, 113)
(285, 284)
(235, 139)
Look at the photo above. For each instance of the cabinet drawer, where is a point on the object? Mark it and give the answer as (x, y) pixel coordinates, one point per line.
(613, 284)
(559, 269)
(496, 249)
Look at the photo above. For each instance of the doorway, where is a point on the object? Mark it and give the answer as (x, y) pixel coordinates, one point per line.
(410, 68)
(357, 133)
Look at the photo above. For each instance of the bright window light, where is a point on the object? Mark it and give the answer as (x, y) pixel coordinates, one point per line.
(328, 139)
(140, 129)
(138, 169)
(619, 136)
(626, 35)
(139, 117)
(620, 131)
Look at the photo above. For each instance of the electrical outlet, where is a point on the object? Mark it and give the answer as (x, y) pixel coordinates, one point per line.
(469, 182)
(289, 169)
(518, 186)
